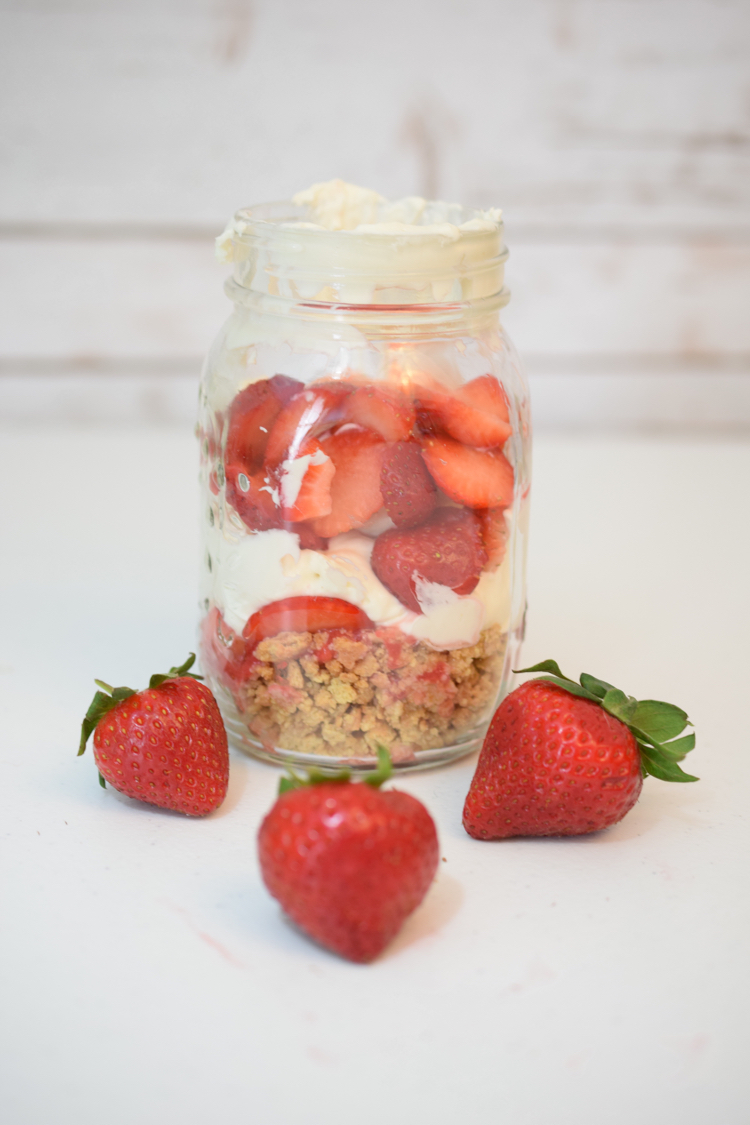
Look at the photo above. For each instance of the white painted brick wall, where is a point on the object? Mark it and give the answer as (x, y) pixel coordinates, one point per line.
(615, 134)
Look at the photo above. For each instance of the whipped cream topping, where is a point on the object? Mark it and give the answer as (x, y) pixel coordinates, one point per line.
(337, 205)
(337, 242)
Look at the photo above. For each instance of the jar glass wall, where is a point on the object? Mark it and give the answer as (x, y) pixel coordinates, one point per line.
(365, 444)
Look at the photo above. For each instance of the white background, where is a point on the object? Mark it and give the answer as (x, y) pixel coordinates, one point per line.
(148, 978)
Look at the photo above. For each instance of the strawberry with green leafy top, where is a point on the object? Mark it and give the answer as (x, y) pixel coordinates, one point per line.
(347, 861)
(165, 745)
(562, 758)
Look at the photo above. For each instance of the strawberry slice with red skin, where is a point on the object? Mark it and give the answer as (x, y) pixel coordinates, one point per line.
(251, 417)
(408, 490)
(457, 417)
(382, 409)
(355, 489)
(224, 653)
(486, 394)
(251, 494)
(308, 539)
(251, 498)
(305, 483)
(447, 549)
(303, 614)
(494, 534)
(307, 414)
(285, 388)
(476, 478)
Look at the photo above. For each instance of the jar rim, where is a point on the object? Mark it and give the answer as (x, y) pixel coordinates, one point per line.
(276, 250)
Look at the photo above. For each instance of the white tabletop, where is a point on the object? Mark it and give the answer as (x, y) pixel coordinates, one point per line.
(149, 977)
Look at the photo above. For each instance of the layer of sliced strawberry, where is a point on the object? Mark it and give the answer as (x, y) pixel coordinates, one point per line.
(487, 395)
(251, 416)
(285, 388)
(408, 490)
(446, 549)
(309, 540)
(303, 614)
(454, 415)
(355, 489)
(384, 410)
(306, 415)
(253, 497)
(305, 483)
(477, 478)
(494, 534)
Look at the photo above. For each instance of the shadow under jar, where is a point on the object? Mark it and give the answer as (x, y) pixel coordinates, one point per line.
(365, 457)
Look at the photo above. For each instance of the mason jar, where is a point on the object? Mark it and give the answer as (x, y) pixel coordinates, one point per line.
(365, 458)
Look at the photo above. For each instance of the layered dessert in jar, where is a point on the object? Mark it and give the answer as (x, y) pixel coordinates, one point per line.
(364, 456)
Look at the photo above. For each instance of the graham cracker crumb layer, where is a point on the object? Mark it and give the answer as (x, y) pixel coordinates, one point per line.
(340, 694)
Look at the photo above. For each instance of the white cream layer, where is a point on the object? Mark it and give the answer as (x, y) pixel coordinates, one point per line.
(249, 571)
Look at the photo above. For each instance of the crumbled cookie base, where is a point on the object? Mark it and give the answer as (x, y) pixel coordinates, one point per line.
(340, 694)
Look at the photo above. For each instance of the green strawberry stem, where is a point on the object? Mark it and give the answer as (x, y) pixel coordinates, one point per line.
(654, 725)
(108, 698)
(319, 777)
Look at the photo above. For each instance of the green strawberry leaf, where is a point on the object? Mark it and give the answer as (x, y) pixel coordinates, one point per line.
(655, 725)
(173, 673)
(619, 704)
(679, 747)
(658, 765)
(572, 687)
(595, 686)
(545, 666)
(660, 721)
(320, 777)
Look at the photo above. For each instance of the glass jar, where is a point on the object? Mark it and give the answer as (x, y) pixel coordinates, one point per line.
(365, 458)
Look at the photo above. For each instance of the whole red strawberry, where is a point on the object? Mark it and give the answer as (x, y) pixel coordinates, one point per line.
(562, 758)
(165, 745)
(446, 549)
(348, 862)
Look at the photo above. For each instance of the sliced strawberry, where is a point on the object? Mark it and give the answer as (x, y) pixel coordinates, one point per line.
(224, 652)
(487, 395)
(451, 414)
(252, 495)
(382, 409)
(303, 614)
(308, 539)
(355, 489)
(408, 490)
(305, 483)
(494, 534)
(446, 549)
(307, 414)
(477, 478)
(251, 416)
(285, 387)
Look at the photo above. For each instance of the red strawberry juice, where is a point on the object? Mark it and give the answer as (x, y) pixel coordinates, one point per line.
(365, 434)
